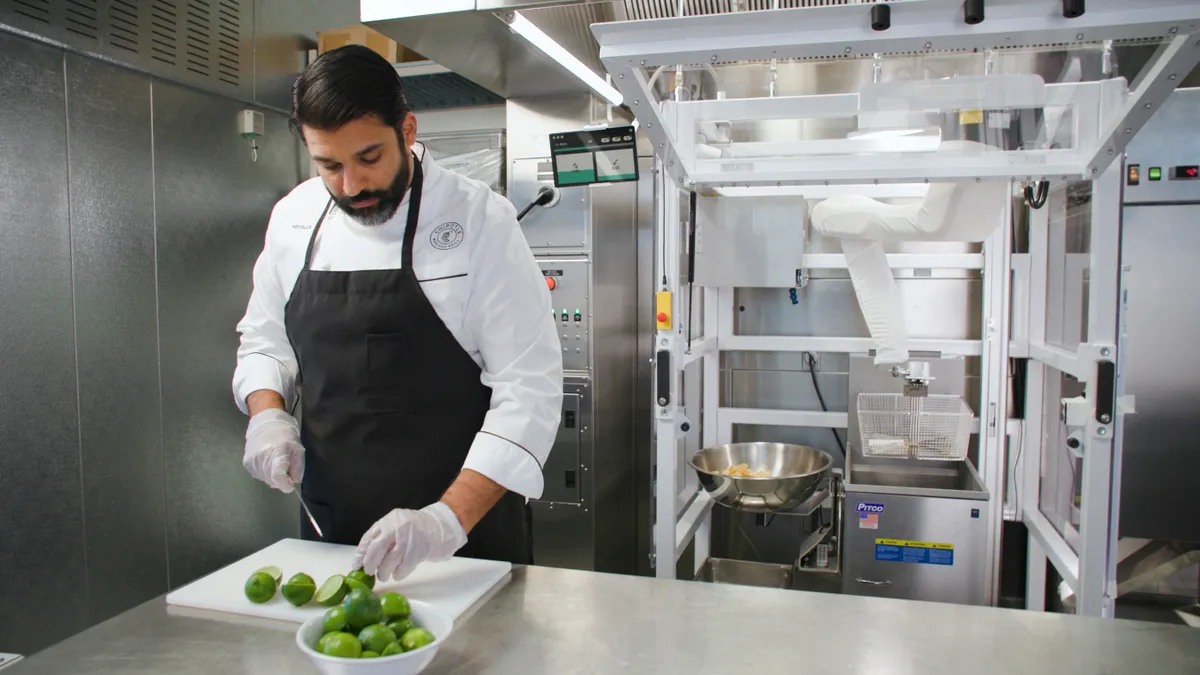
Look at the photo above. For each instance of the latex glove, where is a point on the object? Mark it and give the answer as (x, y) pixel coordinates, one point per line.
(394, 546)
(273, 451)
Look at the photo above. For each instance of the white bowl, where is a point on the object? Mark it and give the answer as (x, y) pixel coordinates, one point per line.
(424, 615)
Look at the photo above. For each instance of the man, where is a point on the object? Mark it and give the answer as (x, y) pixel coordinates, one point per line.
(405, 302)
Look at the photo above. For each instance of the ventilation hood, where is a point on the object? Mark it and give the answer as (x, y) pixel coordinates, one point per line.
(473, 39)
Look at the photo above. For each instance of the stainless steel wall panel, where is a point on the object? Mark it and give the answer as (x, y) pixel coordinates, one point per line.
(614, 350)
(1160, 366)
(212, 205)
(643, 428)
(42, 557)
(112, 223)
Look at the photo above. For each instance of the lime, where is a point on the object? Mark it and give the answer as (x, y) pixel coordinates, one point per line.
(275, 572)
(395, 606)
(352, 583)
(376, 637)
(363, 577)
(341, 645)
(324, 639)
(401, 626)
(332, 592)
(368, 654)
(362, 609)
(260, 587)
(335, 619)
(393, 649)
(416, 638)
(299, 589)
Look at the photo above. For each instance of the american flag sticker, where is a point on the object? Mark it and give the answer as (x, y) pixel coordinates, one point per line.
(868, 515)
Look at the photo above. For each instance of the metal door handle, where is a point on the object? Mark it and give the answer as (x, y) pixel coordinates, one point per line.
(873, 583)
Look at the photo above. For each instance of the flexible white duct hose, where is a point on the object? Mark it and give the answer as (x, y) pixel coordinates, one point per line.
(965, 211)
(878, 298)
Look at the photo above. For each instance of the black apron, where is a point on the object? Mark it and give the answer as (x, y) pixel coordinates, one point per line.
(390, 401)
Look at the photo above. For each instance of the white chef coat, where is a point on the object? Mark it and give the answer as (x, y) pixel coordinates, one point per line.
(478, 273)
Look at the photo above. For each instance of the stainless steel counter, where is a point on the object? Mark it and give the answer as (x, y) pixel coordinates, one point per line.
(563, 622)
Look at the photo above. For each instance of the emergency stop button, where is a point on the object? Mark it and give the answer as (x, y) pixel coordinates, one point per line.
(551, 283)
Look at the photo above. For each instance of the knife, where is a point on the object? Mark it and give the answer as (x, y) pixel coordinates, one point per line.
(311, 520)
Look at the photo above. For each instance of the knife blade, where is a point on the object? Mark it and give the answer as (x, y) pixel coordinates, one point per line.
(312, 521)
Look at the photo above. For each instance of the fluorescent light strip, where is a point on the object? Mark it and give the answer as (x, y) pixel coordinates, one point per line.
(525, 28)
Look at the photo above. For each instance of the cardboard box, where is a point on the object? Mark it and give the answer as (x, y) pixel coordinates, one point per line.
(369, 37)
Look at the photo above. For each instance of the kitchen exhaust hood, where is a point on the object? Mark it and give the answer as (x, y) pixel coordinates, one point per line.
(473, 38)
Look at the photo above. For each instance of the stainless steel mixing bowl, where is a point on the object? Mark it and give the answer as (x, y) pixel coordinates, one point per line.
(795, 472)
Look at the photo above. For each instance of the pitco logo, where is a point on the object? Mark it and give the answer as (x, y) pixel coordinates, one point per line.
(863, 507)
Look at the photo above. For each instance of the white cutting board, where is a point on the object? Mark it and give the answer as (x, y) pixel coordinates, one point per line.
(453, 585)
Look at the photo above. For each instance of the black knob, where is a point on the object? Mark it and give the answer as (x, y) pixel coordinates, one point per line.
(881, 17)
(973, 12)
(1073, 9)
(685, 427)
(1073, 443)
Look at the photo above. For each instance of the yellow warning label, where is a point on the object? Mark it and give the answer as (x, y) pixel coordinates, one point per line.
(914, 544)
(970, 117)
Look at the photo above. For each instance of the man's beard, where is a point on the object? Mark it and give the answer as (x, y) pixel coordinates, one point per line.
(381, 211)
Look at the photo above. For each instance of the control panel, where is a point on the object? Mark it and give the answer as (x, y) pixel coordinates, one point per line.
(567, 279)
(1162, 163)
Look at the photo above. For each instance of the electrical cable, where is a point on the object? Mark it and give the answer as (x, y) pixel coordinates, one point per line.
(1038, 200)
(544, 196)
(812, 372)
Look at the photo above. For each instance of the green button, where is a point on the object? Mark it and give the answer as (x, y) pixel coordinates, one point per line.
(1155, 173)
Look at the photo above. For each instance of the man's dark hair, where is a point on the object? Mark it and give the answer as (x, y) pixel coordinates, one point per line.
(346, 84)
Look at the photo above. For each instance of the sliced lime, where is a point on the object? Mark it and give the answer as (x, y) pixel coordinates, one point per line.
(274, 572)
(332, 592)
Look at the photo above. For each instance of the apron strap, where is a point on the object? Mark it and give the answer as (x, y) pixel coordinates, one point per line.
(312, 238)
(414, 211)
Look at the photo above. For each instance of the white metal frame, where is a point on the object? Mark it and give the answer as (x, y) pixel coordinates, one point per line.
(627, 48)
(918, 26)
(1088, 568)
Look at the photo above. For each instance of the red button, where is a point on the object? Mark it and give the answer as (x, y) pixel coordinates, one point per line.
(551, 283)
(662, 317)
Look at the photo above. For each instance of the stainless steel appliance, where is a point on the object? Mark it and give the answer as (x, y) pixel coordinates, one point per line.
(587, 241)
(913, 528)
(1159, 320)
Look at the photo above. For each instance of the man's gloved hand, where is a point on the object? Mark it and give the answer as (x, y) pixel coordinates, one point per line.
(393, 547)
(273, 451)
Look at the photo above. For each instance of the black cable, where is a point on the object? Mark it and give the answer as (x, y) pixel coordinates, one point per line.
(543, 197)
(812, 372)
(1038, 200)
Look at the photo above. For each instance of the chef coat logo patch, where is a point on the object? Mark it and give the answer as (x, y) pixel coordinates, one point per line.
(446, 236)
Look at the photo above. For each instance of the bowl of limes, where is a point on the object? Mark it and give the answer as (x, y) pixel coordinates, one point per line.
(374, 634)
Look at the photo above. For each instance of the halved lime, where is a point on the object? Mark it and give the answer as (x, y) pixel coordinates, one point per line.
(275, 572)
(352, 583)
(362, 576)
(393, 649)
(259, 588)
(342, 645)
(299, 589)
(395, 606)
(332, 592)
(415, 638)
